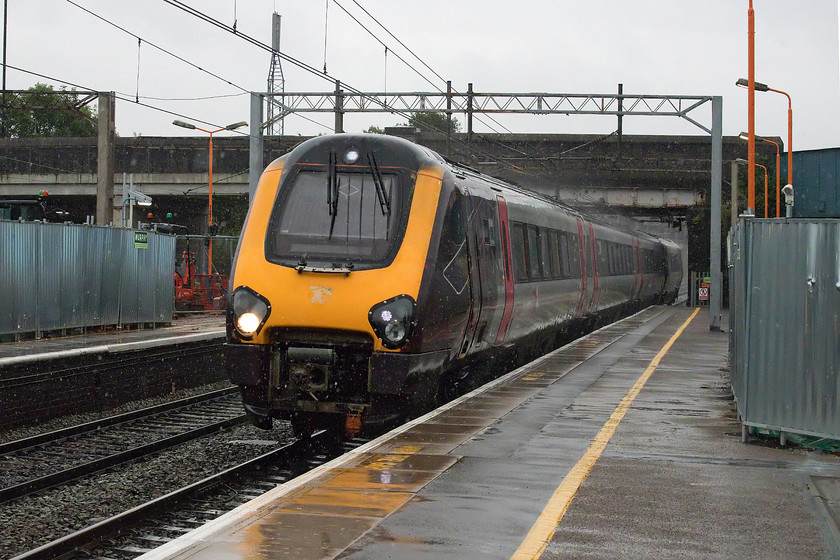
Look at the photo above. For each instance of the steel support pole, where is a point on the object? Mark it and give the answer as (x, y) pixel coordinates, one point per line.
(734, 193)
(620, 116)
(255, 148)
(449, 118)
(716, 288)
(469, 121)
(339, 108)
(105, 160)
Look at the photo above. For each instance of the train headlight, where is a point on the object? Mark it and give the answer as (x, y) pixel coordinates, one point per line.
(250, 310)
(393, 320)
(351, 156)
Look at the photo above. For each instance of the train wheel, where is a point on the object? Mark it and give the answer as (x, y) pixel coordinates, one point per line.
(449, 389)
(261, 422)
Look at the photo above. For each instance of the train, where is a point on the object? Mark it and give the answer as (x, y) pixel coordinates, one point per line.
(373, 279)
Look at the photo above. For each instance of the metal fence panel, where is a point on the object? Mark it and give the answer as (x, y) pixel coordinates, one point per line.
(18, 252)
(785, 324)
(61, 276)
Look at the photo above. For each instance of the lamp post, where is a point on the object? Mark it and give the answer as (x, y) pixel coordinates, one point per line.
(764, 87)
(190, 126)
(745, 136)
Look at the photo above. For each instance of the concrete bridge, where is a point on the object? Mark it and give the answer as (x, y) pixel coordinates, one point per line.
(658, 177)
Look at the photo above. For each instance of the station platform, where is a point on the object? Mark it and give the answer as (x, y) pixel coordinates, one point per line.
(193, 327)
(623, 443)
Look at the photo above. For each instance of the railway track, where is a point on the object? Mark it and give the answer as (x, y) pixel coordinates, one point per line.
(143, 528)
(44, 461)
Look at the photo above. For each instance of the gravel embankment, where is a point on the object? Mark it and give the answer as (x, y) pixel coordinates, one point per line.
(31, 521)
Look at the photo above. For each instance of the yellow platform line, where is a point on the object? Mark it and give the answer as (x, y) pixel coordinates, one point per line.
(543, 529)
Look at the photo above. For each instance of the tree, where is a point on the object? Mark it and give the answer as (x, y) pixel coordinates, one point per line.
(433, 122)
(373, 129)
(42, 111)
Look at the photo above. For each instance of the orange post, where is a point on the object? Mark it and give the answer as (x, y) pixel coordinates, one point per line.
(778, 189)
(751, 109)
(790, 135)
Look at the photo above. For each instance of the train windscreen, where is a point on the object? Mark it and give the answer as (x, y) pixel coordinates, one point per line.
(336, 217)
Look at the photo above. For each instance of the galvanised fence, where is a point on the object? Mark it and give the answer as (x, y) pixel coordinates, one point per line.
(785, 325)
(64, 276)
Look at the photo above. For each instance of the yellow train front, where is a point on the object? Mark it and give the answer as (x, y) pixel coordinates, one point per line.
(338, 249)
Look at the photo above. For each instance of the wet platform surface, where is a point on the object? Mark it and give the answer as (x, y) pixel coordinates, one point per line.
(594, 451)
(192, 327)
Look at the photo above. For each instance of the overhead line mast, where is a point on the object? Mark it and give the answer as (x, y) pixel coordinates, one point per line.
(276, 83)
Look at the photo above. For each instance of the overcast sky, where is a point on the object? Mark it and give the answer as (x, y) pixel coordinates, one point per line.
(673, 47)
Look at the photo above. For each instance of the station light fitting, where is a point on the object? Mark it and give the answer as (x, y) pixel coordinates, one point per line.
(138, 197)
(743, 82)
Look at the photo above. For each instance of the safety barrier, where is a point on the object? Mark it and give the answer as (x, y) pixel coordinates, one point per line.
(65, 276)
(785, 325)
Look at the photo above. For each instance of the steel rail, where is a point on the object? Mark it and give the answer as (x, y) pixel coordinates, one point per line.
(90, 467)
(90, 536)
(94, 425)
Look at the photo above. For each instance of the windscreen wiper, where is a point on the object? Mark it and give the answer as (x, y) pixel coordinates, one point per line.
(332, 191)
(384, 200)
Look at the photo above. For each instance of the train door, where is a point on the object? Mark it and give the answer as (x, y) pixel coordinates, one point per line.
(637, 273)
(640, 267)
(485, 272)
(507, 263)
(596, 288)
(587, 287)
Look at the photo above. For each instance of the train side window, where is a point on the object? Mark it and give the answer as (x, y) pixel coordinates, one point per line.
(617, 258)
(573, 252)
(555, 263)
(519, 251)
(545, 254)
(601, 257)
(565, 259)
(534, 247)
(489, 231)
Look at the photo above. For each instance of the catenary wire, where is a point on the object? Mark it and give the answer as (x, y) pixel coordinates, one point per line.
(300, 64)
(403, 45)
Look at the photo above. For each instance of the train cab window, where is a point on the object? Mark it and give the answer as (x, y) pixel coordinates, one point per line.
(519, 251)
(355, 227)
(534, 249)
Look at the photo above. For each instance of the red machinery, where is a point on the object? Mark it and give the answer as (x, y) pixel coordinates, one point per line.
(199, 291)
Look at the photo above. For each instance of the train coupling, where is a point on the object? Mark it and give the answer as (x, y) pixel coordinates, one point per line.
(353, 422)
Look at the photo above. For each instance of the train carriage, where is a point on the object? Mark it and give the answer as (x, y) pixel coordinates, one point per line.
(372, 276)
